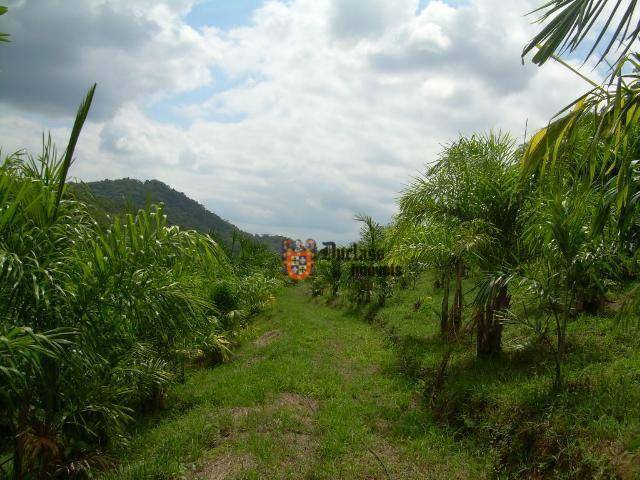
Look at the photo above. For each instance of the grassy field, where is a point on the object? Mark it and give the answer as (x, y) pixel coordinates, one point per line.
(317, 391)
(313, 393)
(590, 429)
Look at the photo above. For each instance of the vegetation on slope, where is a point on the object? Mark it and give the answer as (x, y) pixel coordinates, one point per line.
(528, 356)
(589, 429)
(115, 197)
(541, 409)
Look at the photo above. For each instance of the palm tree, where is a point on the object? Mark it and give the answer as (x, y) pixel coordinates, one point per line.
(569, 262)
(445, 246)
(329, 273)
(23, 355)
(611, 109)
(365, 285)
(37, 231)
(464, 212)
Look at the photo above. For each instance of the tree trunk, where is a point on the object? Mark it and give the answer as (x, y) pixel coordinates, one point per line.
(456, 315)
(438, 282)
(334, 290)
(444, 315)
(52, 395)
(489, 325)
(438, 381)
(556, 351)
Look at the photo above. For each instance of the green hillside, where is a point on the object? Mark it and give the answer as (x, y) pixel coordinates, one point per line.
(130, 195)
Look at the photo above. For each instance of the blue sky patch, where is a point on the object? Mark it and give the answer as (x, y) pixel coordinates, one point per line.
(168, 110)
(223, 14)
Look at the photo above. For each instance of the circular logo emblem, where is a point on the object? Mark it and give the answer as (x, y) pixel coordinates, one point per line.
(298, 258)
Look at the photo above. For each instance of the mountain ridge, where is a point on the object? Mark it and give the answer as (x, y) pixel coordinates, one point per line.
(115, 196)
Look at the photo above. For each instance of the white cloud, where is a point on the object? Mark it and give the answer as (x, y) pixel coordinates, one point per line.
(59, 48)
(334, 104)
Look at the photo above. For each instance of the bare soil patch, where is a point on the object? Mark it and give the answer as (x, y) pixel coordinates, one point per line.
(267, 338)
(300, 444)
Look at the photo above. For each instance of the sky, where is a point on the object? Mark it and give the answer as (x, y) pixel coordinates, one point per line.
(284, 117)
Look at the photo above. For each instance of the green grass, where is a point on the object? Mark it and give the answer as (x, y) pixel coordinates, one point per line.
(319, 399)
(591, 429)
(331, 395)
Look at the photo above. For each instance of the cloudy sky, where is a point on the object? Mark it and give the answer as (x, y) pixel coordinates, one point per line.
(284, 116)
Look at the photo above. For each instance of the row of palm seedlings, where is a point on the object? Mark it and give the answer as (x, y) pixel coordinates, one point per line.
(507, 245)
(542, 231)
(359, 274)
(95, 323)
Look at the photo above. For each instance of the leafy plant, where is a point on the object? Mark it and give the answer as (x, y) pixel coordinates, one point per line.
(610, 109)
(97, 320)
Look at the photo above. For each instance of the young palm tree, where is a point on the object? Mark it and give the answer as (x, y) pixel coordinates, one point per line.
(372, 243)
(37, 231)
(445, 246)
(359, 275)
(329, 273)
(565, 263)
(95, 320)
(472, 196)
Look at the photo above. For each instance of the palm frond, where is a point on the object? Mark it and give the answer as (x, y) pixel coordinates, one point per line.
(610, 113)
(569, 23)
(81, 116)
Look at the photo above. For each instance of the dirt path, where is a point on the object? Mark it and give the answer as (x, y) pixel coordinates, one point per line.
(312, 394)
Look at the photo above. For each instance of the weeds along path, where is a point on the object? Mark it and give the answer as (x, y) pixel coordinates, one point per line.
(311, 394)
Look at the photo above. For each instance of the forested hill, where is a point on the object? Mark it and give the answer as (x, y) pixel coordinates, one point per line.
(129, 195)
